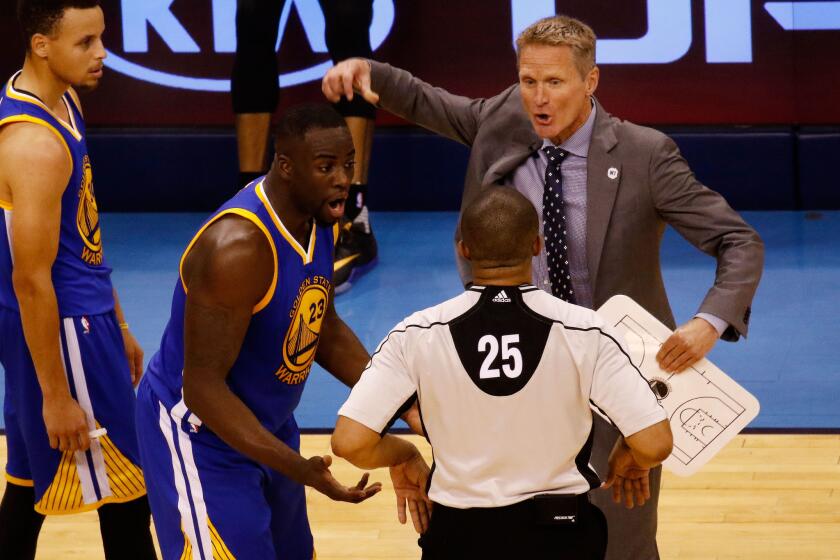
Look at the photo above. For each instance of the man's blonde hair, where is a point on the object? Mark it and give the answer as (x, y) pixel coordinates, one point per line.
(558, 31)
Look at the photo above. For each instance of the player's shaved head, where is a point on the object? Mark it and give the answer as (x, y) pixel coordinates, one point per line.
(300, 119)
(499, 228)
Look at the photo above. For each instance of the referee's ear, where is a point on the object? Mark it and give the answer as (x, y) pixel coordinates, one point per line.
(463, 250)
(538, 245)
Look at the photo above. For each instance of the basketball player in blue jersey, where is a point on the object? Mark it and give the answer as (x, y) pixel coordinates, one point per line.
(252, 309)
(69, 366)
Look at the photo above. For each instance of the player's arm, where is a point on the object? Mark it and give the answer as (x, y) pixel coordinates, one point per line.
(227, 273)
(340, 351)
(133, 351)
(37, 168)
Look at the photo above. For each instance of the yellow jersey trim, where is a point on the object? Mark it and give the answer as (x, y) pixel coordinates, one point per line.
(42, 122)
(336, 231)
(15, 94)
(5, 205)
(250, 216)
(19, 481)
(307, 255)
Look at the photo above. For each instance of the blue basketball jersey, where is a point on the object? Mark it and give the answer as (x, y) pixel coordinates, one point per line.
(80, 276)
(282, 338)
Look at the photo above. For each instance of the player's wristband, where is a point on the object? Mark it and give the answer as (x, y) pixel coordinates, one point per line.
(124, 326)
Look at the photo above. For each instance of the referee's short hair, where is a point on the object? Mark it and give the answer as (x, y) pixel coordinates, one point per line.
(500, 227)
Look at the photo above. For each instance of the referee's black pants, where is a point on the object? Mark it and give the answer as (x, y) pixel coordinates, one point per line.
(512, 532)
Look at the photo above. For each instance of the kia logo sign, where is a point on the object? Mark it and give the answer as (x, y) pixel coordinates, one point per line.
(138, 16)
(727, 27)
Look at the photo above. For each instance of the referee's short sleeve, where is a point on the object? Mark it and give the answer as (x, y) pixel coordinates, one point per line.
(620, 390)
(385, 386)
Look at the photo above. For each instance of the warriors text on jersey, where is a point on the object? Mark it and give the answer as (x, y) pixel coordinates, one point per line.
(208, 500)
(81, 278)
(89, 337)
(282, 338)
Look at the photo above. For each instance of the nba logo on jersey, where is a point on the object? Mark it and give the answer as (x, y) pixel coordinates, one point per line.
(85, 324)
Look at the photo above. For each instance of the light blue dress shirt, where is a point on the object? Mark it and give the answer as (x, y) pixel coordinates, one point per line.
(529, 179)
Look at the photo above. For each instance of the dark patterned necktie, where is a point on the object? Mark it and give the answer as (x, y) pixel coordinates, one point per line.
(554, 227)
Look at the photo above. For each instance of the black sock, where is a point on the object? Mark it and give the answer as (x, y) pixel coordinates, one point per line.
(355, 200)
(246, 177)
(19, 523)
(125, 530)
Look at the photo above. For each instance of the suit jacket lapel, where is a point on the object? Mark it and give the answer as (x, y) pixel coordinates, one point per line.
(522, 144)
(603, 177)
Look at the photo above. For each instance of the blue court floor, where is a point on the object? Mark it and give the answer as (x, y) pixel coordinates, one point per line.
(791, 360)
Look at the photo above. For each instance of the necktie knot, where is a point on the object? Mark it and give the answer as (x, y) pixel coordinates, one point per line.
(555, 155)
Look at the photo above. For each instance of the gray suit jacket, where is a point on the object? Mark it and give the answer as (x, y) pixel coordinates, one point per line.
(626, 216)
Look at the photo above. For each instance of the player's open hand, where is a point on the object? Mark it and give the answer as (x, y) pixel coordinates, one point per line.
(134, 354)
(689, 344)
(409, 481)
(66, 423)
(630, 482)
(346, 77)
(321, 479)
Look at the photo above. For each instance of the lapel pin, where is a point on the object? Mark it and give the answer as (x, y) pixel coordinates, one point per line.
(612, 173)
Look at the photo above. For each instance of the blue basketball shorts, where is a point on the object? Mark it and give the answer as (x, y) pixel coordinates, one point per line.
(210, 501)
(93, 356)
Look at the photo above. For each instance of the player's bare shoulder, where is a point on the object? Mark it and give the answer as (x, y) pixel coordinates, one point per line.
(232, 258)
(31, 153)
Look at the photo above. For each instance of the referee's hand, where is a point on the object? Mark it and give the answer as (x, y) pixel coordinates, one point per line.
(321, 479)
(409, 481)
(630, 482)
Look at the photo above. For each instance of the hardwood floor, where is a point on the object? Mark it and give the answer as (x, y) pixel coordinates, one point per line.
(768, 497)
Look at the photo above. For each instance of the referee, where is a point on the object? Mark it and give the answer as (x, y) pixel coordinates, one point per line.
(504, 375)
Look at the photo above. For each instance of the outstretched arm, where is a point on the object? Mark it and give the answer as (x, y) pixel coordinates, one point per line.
(226, 274)
(406, 96)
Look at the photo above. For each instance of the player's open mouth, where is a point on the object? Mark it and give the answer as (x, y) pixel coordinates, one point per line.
(337, 207)
(96, 73)
(543, 119)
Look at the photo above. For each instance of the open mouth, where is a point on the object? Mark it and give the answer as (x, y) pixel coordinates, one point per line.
(543, 119)
(336, 206)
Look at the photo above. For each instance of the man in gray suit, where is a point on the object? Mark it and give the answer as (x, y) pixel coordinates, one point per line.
(604, 189)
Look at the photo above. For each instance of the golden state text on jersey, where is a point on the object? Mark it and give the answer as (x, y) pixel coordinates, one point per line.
(282, 338)
(81, 278)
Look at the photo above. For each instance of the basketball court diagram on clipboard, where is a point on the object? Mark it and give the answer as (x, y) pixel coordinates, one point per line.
(706, 407)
